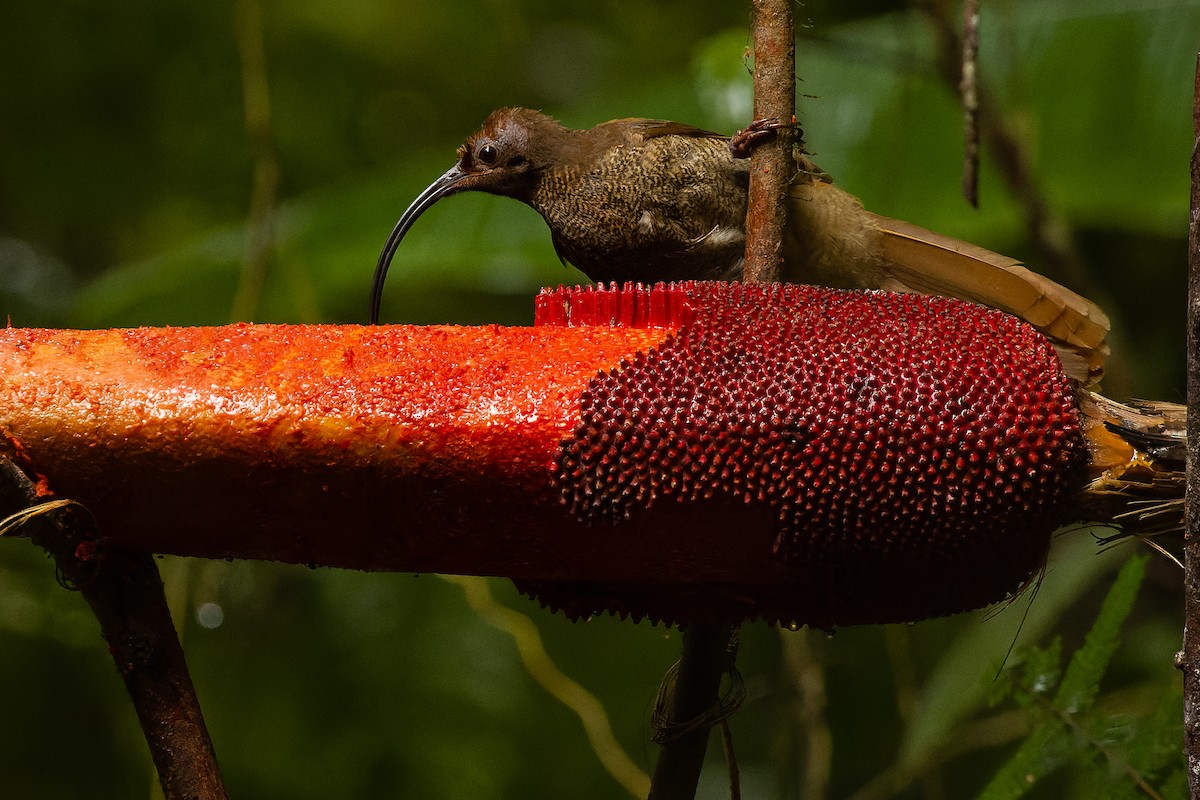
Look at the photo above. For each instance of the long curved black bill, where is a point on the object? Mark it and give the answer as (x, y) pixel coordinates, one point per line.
(447, 184)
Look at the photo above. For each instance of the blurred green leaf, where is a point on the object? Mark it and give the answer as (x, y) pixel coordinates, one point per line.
(959, 684)
(1057, 733)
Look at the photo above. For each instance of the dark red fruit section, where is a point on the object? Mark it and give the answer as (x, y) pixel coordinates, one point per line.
(915, 452)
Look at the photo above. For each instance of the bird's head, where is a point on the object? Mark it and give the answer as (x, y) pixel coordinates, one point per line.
(503, 157)
(500, 157)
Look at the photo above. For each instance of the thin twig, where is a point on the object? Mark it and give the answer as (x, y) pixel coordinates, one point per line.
(771, 164)
(1050, 233)
(1189, 659)
(735, 773)
(126, 595)
(968, 91)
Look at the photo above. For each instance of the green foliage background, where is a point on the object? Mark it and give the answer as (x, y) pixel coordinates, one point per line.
(125, 178)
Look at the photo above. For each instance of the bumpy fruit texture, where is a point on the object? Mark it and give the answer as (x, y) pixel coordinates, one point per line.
(696, 452)
(410, 448)
(916, 453)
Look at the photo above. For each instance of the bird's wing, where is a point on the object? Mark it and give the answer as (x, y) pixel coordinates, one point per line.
(652, 128)
(919, 260)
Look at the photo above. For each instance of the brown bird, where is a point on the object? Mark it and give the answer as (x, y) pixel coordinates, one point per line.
(649, 200)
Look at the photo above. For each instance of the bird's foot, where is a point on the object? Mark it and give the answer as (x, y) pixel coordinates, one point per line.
(758, 132)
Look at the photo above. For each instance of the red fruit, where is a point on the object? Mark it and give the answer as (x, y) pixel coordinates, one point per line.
(915, 452)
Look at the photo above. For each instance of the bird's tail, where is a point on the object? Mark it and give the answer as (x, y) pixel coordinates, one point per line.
(1138, 452)
(919, 260)
(834, 241)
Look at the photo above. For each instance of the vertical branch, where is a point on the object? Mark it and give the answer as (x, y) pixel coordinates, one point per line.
(696, 693)
(1189, 659)
(771, 165)
(967, 88)
(126, 595)
(1049, 232)
(707, 652)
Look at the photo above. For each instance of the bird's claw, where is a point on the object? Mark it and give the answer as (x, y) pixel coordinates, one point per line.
(758, 132)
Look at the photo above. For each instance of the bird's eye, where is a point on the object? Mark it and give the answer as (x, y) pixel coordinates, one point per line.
(488, 155)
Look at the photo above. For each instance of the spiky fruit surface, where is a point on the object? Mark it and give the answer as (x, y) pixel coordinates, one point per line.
(915, 452)
(802, 455)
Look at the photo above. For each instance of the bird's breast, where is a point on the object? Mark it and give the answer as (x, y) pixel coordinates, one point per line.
(671, 208)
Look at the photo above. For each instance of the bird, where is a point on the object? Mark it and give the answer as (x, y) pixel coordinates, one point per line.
(649, 200)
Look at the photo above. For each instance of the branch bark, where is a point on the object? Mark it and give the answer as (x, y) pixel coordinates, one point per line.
(771, 165)
(1189, 659)
(969, 94)
(126, 595)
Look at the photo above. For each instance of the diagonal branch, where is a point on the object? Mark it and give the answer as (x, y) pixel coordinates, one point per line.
(126, 595)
